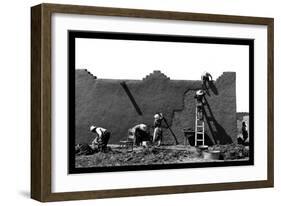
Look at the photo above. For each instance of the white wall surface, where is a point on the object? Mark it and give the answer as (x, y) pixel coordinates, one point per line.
(15, 102)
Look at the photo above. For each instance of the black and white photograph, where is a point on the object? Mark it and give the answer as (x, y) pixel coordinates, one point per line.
(139, 101)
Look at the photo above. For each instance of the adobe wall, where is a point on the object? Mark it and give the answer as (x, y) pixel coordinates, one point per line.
(104, 103)
(219, 111)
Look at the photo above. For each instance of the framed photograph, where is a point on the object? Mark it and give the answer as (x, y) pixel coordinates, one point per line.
(130, 102)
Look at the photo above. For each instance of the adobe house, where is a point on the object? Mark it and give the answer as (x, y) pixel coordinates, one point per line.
(120, 104)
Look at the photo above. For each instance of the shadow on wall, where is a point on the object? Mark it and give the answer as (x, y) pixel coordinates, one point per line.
(217, 131)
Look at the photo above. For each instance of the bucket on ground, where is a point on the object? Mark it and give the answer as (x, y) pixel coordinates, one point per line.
(211, 155)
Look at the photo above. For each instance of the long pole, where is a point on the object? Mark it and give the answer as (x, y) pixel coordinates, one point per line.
(171, 131)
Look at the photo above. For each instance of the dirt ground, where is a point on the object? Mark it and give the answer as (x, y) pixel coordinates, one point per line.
(117, 156)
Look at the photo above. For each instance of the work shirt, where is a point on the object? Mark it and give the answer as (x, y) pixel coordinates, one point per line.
(99, 131)
(199, 98)
(142, 127)
(157, 122)
(206, 76)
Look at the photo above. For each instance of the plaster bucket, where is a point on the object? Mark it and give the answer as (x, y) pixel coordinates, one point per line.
(145, 143)
(211, 155)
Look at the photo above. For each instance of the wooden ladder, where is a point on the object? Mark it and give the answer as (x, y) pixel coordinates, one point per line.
(199, 129)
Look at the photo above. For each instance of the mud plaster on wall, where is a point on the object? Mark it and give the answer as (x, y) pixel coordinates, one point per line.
(104, 102)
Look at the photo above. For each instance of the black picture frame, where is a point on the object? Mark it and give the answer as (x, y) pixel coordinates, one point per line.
(72, 35)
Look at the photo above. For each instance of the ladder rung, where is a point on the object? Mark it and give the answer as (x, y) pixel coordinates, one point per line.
(200, 140)
(200, 125)
(200, 132)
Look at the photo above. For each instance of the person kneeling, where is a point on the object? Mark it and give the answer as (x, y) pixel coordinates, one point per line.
(139, 134)
(102, 137)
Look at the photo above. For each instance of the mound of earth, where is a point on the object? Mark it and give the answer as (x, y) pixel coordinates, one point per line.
(83, 149)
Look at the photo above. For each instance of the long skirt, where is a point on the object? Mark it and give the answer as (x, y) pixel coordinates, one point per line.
(157, 135)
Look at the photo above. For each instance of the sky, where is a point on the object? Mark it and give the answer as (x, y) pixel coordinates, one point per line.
(120, 59)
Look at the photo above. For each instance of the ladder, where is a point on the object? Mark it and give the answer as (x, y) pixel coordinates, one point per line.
(199, 129)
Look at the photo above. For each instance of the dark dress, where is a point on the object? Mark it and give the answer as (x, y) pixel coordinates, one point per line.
(141, 136)
(244, 132)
